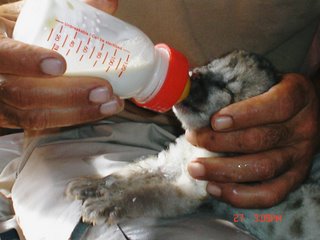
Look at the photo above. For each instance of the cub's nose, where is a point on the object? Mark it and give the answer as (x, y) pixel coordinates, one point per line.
(198, 92)
(202, 84)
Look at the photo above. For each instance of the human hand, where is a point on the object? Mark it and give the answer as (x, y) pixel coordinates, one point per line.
(276, 136)
(34, 95)
(109, 6)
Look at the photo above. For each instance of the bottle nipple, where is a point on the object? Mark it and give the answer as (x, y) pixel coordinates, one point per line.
(185, 92)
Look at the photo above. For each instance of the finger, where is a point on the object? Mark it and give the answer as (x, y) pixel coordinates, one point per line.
(3, 28)
(280, 103)
(11, 10)
(27, 93)
(39, 119)
(22, 59)
(7, 27)
(250, 140)
(109, 6)
(262, 195)
(244, 168)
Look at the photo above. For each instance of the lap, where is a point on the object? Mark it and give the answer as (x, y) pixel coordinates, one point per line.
(38, 192)
(201, 225)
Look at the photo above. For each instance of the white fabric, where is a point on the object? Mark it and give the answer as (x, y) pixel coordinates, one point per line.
(38, 197)
(10, 150)
(49, 164)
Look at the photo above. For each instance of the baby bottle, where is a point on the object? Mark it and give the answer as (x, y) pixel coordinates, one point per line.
(95, 43)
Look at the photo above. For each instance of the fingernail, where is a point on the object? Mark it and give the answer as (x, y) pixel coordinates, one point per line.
(214, 190)
(196, 169)
(110, 107)
(223, 123)
(52, 66)
(99, 95)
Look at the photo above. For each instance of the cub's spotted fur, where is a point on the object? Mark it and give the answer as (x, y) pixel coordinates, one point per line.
(160, 186)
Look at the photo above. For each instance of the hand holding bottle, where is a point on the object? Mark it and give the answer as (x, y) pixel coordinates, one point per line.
(35, 95)
(97, 44)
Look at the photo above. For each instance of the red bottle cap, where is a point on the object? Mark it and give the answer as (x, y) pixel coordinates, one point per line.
(175, 86)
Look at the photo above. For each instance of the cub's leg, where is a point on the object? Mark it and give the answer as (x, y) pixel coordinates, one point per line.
(158, 186)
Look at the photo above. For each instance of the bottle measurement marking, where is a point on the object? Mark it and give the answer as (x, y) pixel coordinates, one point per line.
(64, 44)
(71, 44)
(65, 40)
(124, 66)
(118, 63)
(99, 55)
(58, 37)
(94, 48)
(79, 47)
(105, 58)
(50, 34)
(55, 47)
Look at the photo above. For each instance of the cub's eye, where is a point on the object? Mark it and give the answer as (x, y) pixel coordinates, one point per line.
(215, 80)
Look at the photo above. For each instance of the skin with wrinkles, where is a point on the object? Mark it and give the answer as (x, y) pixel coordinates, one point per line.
(281, 124)
(34, 97)
(160, 186)
(278, 145)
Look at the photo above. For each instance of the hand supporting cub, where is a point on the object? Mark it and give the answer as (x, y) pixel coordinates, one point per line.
(276, 136)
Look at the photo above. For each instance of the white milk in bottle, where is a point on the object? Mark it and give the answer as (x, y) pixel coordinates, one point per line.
(95, 43)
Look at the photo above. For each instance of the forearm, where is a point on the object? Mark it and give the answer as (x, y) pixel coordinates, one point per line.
(7, 1)
(316, 81)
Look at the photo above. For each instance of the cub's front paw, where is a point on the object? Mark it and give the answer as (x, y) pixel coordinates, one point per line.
(101, 210)
(102, 198)
(83, 188)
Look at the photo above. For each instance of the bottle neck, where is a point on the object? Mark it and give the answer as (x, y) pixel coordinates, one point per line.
(161, 64)
(172, 76)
